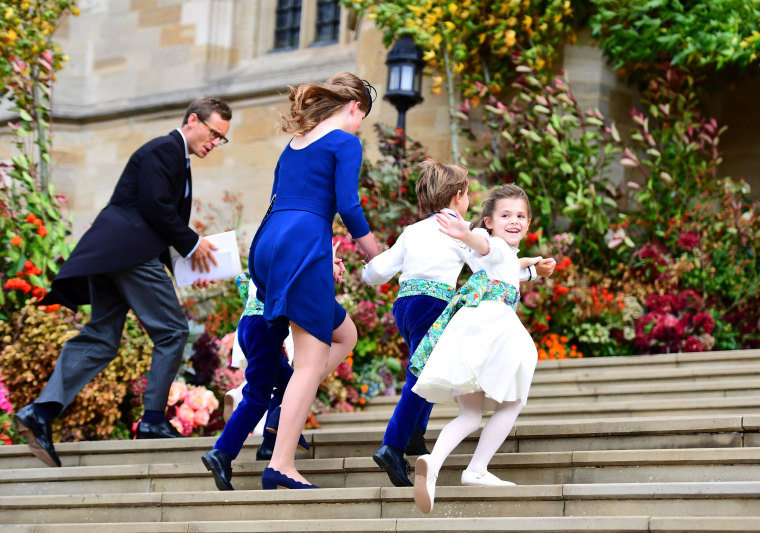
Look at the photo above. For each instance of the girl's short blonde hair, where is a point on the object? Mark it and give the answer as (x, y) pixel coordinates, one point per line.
(311, 103)
(438, 184)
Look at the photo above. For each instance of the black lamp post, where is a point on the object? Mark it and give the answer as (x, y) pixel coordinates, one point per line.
(404, 86)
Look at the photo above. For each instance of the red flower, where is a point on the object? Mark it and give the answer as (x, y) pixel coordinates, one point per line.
(532, 238)
(30, 217)
(364, 200)
(385, 287)
(692, 344)
(28, 265)
(37, 222)
(688, 241)
(704, 321)
(566, 262)
(559, 290)
(42, 230)
(16, 240)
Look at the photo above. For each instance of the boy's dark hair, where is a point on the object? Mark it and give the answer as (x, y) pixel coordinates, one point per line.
(204, 106)
(438, 184)
(509, 190)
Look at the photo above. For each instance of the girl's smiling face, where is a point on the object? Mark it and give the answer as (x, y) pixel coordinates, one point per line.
(509, 221)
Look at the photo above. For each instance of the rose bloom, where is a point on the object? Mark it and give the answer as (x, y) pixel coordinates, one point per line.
(177, 424)
(186, 414)
(176, 393)
(201, 418)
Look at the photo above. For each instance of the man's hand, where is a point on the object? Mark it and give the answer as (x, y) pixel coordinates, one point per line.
(203, 255)
(545, 267)
(201, 283)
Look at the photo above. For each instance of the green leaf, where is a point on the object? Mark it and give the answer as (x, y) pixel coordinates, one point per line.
(26, 117)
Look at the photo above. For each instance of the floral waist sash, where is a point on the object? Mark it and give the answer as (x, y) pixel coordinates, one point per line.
(426, 287)
(253, 306)
(477, 289)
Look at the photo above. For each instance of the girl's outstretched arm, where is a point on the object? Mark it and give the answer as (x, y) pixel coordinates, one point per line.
(459, 228)
(525, 262)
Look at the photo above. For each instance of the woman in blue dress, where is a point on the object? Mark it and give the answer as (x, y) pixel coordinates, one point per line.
(291, 258)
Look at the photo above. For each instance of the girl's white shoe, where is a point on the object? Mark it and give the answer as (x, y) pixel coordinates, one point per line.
(424, 484)
(483, 478)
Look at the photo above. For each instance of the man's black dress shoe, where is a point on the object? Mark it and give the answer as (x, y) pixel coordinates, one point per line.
(416, 445)
(391, 459)
(265, 450)
(220, 464)
(37, 432)
(162, 430)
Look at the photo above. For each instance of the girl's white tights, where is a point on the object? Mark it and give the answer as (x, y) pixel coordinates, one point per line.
(493, 435)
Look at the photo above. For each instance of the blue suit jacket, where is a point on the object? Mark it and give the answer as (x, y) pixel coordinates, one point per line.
(147, 213)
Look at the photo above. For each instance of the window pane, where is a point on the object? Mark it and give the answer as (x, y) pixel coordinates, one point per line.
(328, 21)
(288, 25)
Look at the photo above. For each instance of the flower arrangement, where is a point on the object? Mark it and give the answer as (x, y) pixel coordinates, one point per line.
(190, 407)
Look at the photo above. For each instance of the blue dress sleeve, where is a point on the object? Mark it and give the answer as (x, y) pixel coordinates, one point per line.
(347, 168)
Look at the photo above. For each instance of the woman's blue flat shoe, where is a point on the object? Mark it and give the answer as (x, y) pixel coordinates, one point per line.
(272, 479)
(273, 422)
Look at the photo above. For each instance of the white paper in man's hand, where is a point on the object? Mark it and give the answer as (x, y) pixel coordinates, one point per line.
(227, 257)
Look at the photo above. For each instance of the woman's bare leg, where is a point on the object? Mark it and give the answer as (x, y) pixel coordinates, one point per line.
(312, 362)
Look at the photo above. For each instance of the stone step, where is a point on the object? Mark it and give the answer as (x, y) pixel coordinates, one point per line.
(545, 468)
(541, 395)
(720, 431)
(690, 359)
(693, 499)
(442, 413)
(543, 524)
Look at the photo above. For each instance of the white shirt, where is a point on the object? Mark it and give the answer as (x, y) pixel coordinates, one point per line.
(187, 186)
(500, 263)
(423, 251)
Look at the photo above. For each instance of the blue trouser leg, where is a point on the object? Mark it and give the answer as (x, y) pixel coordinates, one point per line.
(283, 377)
(263, 350)
(414, 315)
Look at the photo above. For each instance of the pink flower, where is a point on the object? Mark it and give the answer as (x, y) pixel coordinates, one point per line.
(177, 423)
(201, 418)
(226, 344)
(177, 393)
(186, 414)
(532, 299)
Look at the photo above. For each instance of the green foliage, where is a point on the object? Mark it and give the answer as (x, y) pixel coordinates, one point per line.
(32, 231)
(543, 141)
(674, 153)
(696, 34)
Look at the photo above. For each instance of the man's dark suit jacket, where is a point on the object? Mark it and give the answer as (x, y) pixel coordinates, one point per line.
(147, 213)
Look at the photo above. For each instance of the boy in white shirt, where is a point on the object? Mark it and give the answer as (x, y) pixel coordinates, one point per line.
(430, 263)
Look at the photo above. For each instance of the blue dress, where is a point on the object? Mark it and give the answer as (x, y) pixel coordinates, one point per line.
(291, 253)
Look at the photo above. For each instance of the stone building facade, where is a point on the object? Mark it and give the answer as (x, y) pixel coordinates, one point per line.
(135, 64)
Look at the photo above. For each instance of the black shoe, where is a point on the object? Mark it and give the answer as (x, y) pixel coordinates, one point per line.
(265, 450)
(38, 434)
(220, 464)
(273, 422)
(391, 459)
(162, 430)
(416, 445)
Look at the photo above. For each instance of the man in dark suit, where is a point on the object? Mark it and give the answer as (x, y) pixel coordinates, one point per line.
(119, 265)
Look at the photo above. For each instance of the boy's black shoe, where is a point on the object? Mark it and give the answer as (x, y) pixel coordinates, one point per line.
(391, 459)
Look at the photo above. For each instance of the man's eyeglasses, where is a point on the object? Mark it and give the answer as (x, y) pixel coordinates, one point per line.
(215, 134)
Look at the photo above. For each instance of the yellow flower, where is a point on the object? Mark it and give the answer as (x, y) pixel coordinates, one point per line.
(510, 38)
(8, 13)
(453, 9)
(416, 10)
(511, 21)
(11, 37)
(527, 21)
(428, 56)
(450, 25)
(459, 67)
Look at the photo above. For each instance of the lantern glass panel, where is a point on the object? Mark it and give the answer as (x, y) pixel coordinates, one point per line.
(394, 77)
(407, 78)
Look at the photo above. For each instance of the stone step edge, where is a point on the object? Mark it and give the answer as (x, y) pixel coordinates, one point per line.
(749, 490)
(543, 524)
(663, 404)
(659, 375)
(567, 459)
(646, 359)
(556, 392)
(575, 428)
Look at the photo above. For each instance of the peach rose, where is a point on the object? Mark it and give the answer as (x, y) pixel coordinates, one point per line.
(176, 393)
(201, 418)
(186, 414)
(177, 423)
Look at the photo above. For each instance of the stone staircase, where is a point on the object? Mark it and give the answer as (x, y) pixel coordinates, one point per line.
(664, 443)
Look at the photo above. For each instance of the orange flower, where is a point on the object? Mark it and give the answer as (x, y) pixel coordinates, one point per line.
(42, 230)
(37, 222)
(16, 240)
(30, 217)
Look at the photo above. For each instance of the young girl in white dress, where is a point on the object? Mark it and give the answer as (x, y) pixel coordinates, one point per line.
(478, 351)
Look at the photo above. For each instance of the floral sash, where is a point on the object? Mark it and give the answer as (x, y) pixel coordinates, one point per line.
(477, 289)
